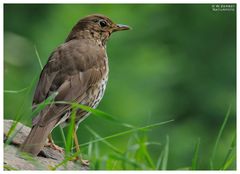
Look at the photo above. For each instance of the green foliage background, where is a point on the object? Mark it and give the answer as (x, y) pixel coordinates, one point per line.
(178, 62)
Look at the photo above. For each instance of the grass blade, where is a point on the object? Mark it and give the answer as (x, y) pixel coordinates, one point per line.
(32, 160)
(120, 156)
(19, 113)
(230, 155)
(148, 158)
(42, 105)
(8, 167)
(101, 114)
(129, 131)
(38, 57)
(70, 133)
(90, 149)
(66, 159)
(63, 136)
(159, 161)
(28, 89)
(115, 149)
(144, 151)
(9, 138)
(229, 162)
(127, 160)
(165, 156)
(97, 157)
(195, 157)
(218, 138)
(15, 91)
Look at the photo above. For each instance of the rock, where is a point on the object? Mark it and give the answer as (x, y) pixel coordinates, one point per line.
(16, 160)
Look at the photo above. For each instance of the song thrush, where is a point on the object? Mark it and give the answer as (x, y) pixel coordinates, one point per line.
(78, 71)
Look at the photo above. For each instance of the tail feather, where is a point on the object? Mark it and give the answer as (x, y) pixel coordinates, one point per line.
(37, 137)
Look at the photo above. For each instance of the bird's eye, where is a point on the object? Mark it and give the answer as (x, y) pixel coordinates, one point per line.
(103, 23)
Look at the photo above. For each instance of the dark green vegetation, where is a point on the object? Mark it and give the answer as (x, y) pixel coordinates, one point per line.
(178, 62)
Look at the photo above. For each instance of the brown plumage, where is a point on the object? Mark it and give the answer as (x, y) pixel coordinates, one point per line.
(78, 71)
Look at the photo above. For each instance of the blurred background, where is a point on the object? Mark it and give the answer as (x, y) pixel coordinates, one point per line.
(178, 62)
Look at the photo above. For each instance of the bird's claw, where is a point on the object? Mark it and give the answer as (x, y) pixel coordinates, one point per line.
(54, 147)
(85, 162)
(82, 161)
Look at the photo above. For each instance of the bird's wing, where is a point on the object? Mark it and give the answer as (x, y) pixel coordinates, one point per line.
(67, 74)
(45, 82)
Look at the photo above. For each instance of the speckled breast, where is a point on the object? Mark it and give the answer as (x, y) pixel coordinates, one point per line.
(94, 95)
(92, 99)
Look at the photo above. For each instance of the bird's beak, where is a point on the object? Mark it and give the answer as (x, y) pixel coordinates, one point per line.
(120, 27)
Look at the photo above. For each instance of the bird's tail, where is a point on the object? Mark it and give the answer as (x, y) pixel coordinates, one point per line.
(37, 138)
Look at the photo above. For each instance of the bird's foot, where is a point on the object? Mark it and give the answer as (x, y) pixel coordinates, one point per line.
(85, 162)
(82, 161)
(54, 147)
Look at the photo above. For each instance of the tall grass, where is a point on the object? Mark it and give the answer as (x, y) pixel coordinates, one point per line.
(137, 155)
(218, 139)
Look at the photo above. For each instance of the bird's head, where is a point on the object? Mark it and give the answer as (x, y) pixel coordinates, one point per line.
(97, 26)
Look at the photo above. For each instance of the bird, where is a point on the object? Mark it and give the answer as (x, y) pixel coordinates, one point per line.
(77, 72)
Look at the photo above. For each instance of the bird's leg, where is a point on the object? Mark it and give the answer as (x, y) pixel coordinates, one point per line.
(51, 144)
(84, 162)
